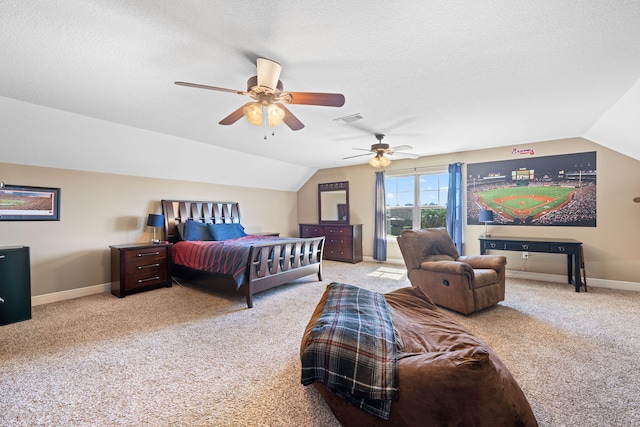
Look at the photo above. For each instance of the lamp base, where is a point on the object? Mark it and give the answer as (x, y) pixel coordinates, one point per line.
(154, 242)
(485, 235)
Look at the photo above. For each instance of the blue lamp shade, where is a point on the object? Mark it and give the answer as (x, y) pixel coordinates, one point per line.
(486, 216)
(155, 220)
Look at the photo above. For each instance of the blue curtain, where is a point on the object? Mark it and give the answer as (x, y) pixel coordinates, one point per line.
(380, 226)
(454, 205)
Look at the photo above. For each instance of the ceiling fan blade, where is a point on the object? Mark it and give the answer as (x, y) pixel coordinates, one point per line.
(235, 116)
(410, 155)
(363, 149)
(268, 73)
(291, 120)
(401, 147)
(220, 89)
(357, 155)
(314, 98)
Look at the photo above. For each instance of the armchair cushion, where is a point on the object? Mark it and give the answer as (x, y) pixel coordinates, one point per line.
(429, 244)
(495, 262)
(449, 267)
(484, 277)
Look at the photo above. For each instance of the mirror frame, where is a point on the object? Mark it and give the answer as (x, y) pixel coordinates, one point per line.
(333, 186)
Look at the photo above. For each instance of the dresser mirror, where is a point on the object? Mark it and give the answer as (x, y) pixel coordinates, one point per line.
(333, 202)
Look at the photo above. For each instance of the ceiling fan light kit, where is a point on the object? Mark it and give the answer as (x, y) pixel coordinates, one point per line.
(380, 161)
(267, 91)
(259, 114)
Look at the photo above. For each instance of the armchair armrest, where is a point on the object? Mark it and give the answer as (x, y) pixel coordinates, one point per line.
(495, 262)
(448, 267)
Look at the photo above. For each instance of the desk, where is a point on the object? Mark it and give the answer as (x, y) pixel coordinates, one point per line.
(570, 247)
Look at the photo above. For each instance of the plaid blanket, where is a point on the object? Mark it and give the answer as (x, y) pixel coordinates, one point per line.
(352, 349)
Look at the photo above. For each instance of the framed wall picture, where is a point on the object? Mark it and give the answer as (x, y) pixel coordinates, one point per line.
(543, 191)
(25, 203)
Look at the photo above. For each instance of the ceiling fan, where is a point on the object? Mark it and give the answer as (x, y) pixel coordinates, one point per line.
(380, 149)
(268, 98)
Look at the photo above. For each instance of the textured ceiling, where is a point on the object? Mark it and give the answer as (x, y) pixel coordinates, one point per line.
(441, 76)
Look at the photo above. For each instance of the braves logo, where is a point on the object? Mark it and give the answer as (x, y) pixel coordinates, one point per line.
(528, 151)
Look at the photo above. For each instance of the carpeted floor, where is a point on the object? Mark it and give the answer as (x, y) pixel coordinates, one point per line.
(188, 356)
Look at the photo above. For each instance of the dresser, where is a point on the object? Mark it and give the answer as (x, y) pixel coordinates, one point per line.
(139, 267)
(15, 284)
(343, 242)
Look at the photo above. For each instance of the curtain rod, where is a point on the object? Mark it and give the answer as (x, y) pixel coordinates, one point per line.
(415, 169)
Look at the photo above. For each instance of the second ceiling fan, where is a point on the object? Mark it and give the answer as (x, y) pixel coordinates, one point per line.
(380, 149)
(267, 107)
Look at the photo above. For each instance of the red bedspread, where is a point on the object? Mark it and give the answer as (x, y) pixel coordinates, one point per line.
(227, 257)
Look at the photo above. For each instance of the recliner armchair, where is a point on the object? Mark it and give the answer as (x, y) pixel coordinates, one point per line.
(461, 283)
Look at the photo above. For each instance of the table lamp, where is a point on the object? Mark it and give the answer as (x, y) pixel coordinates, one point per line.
(155, 221)
(486, 216)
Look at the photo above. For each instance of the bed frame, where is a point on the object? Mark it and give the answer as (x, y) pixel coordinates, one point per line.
(264, 270)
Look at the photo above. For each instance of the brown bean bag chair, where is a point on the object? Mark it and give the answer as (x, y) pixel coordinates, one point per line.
(446, 375)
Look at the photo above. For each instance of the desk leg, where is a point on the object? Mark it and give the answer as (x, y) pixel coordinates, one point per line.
(569, 268)
(577, 273)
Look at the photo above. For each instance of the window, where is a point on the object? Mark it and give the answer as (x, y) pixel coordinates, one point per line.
(416, 201)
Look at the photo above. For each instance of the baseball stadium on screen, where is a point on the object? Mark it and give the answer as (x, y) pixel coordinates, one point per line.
(552, 190)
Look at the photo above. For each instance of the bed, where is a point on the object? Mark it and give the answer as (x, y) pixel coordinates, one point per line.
(244, 263)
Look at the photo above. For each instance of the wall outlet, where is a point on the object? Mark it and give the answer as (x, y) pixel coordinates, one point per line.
(525, 255)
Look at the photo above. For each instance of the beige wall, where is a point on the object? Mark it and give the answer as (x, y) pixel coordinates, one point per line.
(612, 249)
(98, 210)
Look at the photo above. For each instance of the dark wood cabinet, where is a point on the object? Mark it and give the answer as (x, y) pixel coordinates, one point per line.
(139, 267)
(343, 242)
(15, 284)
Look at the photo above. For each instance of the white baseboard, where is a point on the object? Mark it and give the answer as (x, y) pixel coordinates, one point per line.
(70, 294)
(561, 278)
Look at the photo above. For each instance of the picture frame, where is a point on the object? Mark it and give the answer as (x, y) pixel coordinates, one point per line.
(27, 203)
(557, 190)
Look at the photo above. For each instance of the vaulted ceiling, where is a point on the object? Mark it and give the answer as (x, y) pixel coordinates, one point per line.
(440, 76)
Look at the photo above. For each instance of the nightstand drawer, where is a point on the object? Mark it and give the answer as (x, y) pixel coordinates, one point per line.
(148, 267)
(146, 278)
(145, 256)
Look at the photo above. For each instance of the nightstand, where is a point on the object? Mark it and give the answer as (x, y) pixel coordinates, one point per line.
(139, 267)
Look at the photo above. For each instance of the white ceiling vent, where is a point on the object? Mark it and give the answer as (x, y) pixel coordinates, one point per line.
(349, 119)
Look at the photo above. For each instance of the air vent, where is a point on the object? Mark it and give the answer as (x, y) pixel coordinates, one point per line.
(349, 119)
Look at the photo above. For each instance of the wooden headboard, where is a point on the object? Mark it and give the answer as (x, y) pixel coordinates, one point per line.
(178, 211)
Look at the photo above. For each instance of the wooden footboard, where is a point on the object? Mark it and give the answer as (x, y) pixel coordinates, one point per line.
(269, 265)
(275, 263)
